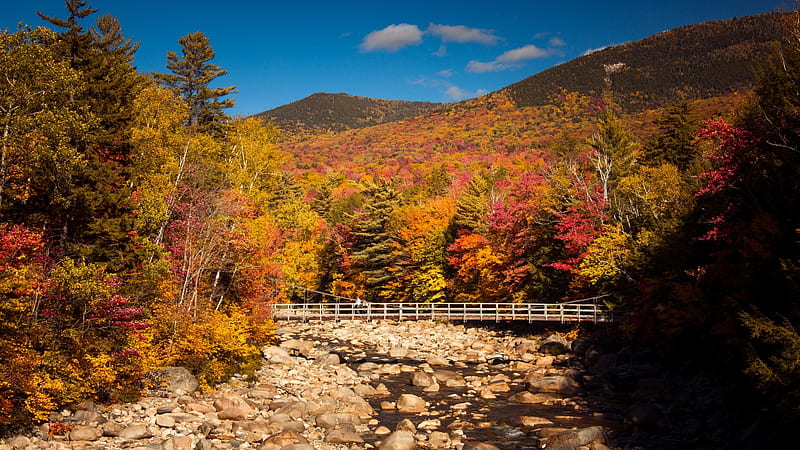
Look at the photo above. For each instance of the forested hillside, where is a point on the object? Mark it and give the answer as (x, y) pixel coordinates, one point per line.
(321, 112)
(691, 62)
(142, 226)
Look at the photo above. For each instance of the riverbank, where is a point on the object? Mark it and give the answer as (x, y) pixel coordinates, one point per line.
(353, 385)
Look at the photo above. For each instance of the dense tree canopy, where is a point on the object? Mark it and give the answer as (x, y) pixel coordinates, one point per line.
(141, 226)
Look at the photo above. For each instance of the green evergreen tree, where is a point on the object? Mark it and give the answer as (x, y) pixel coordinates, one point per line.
(76, 43)
(614, 151)
(674, 141)
(375, 241)
(191, 77)
(473, 205)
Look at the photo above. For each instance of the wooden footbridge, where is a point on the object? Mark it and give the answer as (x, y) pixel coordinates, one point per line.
(532, 312)
(346, 308)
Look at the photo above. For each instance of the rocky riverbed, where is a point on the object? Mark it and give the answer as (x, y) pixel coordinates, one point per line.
(362, 385)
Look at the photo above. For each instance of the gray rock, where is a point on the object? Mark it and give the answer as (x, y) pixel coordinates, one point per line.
(165, 421)
(85, 433)
(329, 359)
(176, 378)
(136, 431)
(399, 440)
(19, 442)
(330, 420)
(112, 429)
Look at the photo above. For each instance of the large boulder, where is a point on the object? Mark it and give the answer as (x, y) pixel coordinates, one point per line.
(557, 384)
(410, 404)
(572, 439)
(172, 379)
(399, 440)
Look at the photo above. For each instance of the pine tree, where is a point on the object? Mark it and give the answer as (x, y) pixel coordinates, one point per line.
(374, 239)
(192, 74)
(674, 140)
(473, 206)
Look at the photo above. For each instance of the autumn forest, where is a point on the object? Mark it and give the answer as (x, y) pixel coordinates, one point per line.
(142, 226)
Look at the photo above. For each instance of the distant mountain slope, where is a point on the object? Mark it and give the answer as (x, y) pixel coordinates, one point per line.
(322, 112)
(695, 61)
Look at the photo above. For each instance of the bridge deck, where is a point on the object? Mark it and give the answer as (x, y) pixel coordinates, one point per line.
(559, 312)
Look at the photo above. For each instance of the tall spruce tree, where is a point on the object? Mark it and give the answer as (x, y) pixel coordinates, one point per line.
(191, 77)
(375, 241)
(674, 141)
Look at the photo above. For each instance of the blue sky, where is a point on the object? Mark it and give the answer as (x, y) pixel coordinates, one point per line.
(279, 52)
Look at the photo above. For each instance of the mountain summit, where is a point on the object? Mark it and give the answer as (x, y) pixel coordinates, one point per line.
(322, 112)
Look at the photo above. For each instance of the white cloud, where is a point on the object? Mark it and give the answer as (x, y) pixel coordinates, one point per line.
(557, 42)
(481, 67)
(508, 60)
(392, 38)
(525, 53)
(445, 73)
(462, 34)
(441, 52)
(455, 93)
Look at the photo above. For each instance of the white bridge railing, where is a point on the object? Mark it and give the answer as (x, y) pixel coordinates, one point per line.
(558, 312)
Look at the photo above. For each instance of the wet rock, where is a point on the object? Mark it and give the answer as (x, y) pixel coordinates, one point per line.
(527, 398)
(399, 440)
(558, 384)
(572, 439)
(533, 421)
(410, 404)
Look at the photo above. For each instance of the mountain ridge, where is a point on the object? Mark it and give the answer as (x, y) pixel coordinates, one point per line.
(322, 112)
(689, 62)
